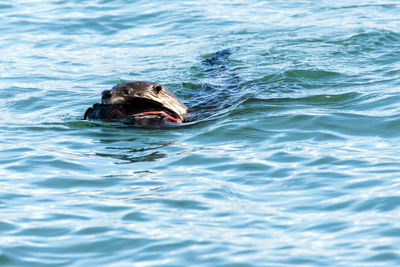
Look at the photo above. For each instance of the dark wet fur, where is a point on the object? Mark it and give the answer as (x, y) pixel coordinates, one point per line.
(119, 111)
(221, 89)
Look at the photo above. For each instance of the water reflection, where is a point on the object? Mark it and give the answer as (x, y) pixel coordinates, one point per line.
(127, 158)
(127, 155)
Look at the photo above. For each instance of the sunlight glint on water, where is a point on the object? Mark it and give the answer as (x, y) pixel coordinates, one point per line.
(294, 160)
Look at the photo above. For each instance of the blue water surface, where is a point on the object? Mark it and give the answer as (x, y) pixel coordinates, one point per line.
(296, 163)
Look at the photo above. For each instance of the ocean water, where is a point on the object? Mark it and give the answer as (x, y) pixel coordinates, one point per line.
(294, 159)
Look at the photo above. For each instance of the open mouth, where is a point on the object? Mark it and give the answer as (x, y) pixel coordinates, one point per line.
(142, 108)
(138, 102)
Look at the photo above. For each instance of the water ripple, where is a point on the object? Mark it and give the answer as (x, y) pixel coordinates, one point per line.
(291, 159)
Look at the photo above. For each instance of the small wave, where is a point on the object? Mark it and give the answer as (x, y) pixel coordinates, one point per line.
(383, 204)
(310, 74)
(383, 257)
(370, 41)
(73, 182)
(312, 99)
(5, 6)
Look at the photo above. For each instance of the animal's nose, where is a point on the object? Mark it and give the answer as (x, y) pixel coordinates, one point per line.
(106, 94)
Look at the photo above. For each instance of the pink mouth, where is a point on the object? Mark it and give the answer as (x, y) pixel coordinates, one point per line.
(162, 113)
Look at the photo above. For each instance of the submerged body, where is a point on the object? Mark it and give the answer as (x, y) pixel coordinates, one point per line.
(147, 103)
(138, 102)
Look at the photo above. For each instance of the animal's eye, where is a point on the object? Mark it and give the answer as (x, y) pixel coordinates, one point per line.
(157, 88)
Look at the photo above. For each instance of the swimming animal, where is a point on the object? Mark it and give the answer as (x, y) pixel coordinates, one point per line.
(138, 102)
(149, 103)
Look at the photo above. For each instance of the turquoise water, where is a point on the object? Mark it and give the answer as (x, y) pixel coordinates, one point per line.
(293, 162)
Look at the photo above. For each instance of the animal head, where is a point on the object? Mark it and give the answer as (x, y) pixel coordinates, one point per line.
(133, 92)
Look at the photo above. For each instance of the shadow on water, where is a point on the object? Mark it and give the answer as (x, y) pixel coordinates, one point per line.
(128, 155)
